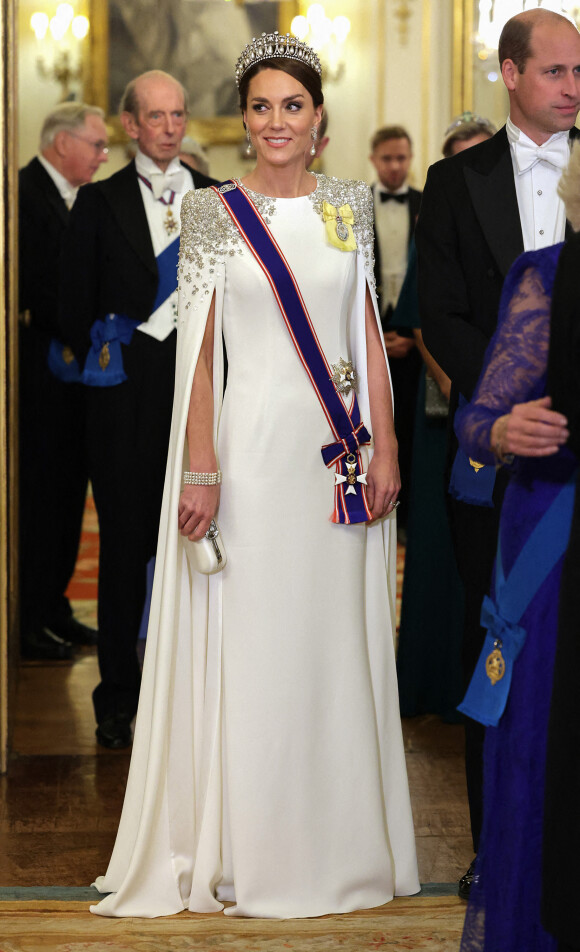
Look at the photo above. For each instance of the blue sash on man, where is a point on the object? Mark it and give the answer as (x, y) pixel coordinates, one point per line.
(350, 503)
(62, 362)
(104, 363)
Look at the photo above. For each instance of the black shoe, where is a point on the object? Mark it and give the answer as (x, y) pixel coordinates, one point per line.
(44, 645)
(114, 732)
(466, 882)
(69, 629)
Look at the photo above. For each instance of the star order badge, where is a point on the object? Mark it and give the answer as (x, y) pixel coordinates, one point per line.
(170, 223)
(351, 479)
(345, 377)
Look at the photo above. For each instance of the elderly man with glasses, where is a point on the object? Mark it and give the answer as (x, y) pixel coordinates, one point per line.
(119, 304)
(53, 467)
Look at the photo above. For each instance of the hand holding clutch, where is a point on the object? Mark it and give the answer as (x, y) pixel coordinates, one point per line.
(207, 555)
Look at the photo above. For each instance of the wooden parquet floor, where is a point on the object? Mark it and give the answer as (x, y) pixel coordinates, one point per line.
(59, 809)
(403, 925)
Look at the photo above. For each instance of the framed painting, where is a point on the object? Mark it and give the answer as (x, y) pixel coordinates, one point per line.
(197, 41)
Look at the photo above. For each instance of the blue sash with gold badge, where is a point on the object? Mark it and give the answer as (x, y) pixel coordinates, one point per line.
(350, 433)
(104, 363)
(62, 362)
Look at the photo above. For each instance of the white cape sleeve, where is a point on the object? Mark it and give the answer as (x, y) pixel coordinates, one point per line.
(178, 716)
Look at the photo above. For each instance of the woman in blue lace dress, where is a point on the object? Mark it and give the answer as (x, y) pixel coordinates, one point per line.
(510, 414)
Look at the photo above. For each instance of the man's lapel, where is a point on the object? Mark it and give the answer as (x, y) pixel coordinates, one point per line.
(124, 197)
(48, 190)
(490, 183)
(414, 206)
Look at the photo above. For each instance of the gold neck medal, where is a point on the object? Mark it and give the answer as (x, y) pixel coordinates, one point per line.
(170, 223)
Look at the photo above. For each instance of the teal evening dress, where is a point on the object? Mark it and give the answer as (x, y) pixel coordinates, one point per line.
(429, 654)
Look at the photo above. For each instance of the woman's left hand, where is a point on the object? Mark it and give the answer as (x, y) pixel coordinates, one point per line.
(383, 484)
(530, 429)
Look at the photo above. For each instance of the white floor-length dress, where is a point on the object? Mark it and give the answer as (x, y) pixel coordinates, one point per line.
(268, 766)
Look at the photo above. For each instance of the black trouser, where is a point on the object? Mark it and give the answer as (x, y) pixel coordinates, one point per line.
(53, 484)
(128, 436)
(405, 378)
(474, 530)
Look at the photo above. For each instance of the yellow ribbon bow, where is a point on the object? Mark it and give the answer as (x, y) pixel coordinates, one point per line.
(339, 222)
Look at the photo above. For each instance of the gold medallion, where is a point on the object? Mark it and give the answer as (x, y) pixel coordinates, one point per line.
(170, 223)
(495, 666)
(104, 356)
(476, 466)
(67, 355)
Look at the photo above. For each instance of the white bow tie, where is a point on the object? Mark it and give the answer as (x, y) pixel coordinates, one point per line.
(161, 181)
(528, 154)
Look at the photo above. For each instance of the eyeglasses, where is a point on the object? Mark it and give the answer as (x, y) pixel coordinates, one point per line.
(100, 146)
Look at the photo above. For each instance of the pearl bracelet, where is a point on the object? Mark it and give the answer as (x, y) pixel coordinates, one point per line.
(202, 479)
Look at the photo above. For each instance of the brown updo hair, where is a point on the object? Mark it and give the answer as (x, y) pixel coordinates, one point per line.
(305, 75)
(465, 132)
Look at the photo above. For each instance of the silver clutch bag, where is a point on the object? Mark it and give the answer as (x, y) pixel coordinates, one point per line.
(436, 406)
(207, 555)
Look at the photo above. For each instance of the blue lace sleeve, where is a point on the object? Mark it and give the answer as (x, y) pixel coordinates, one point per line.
(514, 369)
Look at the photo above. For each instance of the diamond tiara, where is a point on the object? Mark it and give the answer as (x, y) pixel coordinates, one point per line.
(270, 45)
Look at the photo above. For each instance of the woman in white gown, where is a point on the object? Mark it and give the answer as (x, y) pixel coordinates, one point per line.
(268, 767)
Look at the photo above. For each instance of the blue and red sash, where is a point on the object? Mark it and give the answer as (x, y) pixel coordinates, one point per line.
(348, 429)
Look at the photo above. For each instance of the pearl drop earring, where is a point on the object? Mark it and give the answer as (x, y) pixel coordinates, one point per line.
(314, 135)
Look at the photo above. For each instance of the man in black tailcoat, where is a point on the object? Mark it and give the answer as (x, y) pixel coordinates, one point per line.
(53, 466)
(480, 210)
(121, 271)
(396, 207)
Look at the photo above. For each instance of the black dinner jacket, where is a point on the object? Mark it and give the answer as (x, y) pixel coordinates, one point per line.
(468, 236)
(413, 207)
(42, 217)
(108, 264)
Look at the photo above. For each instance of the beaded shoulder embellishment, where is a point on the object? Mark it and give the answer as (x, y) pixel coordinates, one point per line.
(207, 231)
(359, 196)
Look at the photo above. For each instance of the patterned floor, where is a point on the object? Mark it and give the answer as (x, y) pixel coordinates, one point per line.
(403, 925)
